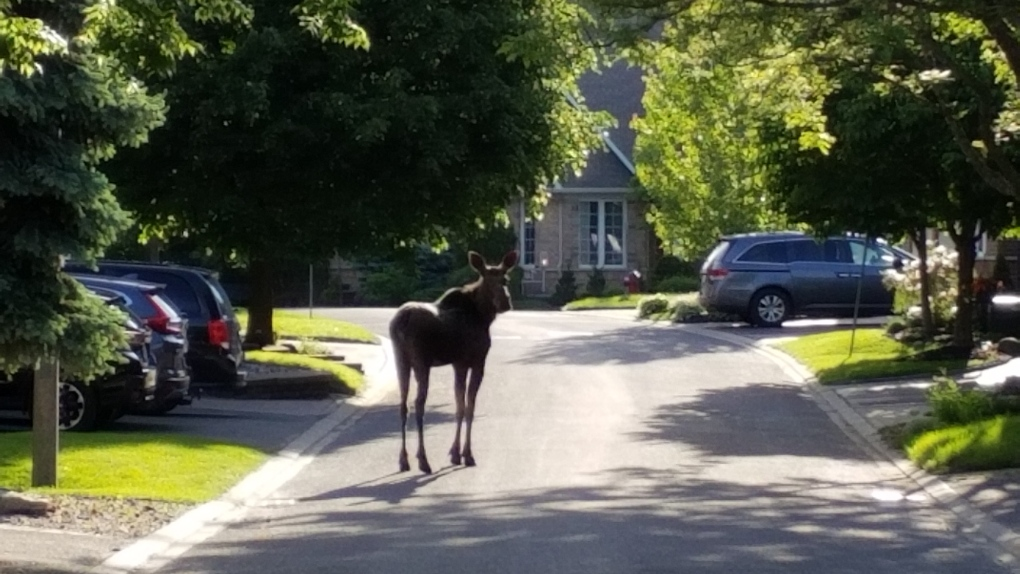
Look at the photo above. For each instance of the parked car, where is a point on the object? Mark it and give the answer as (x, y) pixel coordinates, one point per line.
(169, 343)
(87, 406)
(767, 278)
(214, 351)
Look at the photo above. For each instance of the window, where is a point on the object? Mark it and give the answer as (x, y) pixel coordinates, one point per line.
(877, 255)
(602, 228)
(528, 238)
(772, 252)
(806, 250)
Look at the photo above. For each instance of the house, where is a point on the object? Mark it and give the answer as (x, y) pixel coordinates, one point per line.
(594, 220)
(987, 251)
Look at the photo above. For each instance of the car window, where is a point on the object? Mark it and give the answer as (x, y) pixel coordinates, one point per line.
(178, 290)
(716, 255)
(836, 251)
(771, 252)
(222, 300)
(806, 250)
(877, 255)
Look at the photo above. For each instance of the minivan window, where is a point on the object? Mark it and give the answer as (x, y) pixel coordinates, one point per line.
(771, 252)
(716, 255)
(836, 251)
(878, 256)
(806, 250)
(178, 290)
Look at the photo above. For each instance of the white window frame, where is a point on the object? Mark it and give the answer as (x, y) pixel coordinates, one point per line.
(602, 234)
(522, 239)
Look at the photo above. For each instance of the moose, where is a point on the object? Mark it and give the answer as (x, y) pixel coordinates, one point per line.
(453, 330)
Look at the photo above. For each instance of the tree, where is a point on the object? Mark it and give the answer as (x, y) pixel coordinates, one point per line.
(278, 147)
(836, 30)
(894, 170)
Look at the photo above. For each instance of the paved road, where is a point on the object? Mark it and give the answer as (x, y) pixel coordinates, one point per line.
(604, 446)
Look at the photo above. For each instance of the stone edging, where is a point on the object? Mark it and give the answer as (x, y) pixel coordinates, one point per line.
(859, 429)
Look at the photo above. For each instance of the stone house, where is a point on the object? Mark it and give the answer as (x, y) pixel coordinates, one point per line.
(594, 220)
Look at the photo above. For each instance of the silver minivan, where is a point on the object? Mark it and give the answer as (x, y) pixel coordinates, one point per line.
(768, 278)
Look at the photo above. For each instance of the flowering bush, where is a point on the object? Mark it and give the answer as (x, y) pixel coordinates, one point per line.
(906, 283)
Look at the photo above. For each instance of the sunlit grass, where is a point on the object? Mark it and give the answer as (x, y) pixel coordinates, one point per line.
(293, 324)
(135, 465)
(984, 445)
(347, 376)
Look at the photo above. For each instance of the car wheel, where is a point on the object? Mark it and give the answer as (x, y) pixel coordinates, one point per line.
(78, 408)
(769, 308)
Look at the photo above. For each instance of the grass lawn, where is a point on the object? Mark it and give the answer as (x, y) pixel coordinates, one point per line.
(298, 325)
(347, 376)
(875, 356)
(135, 465)
(610, 302)
(984, 445)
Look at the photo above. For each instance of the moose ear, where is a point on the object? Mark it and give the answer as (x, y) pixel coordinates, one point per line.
(476, 261)
(509, 261)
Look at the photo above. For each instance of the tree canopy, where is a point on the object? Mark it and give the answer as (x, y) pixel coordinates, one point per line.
(72, 95)
(280, 147)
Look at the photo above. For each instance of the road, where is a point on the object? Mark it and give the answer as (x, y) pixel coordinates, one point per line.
(603, 446)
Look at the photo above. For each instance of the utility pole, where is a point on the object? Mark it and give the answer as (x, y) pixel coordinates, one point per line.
(45, 423)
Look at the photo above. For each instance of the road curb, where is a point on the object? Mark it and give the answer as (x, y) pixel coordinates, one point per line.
(205, 521)
(1005, 541)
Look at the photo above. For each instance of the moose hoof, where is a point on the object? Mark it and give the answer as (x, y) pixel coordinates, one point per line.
(404, 465)
(423, 465)
(469, 460)
(454, 457)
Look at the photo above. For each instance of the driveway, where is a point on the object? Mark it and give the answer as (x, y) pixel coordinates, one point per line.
(603, 446)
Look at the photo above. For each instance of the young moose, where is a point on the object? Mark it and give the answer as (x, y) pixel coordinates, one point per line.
(452, 331)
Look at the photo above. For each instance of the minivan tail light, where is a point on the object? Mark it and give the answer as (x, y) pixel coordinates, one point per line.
(162, 322)
(718, 273)
(218, 333)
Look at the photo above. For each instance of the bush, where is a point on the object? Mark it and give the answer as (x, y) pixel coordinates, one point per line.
(953, 405)
(516, 282)
(672, 266)
(392, 286)
(460, 276)
(614, 292)
(678, 284)
(596, 286)
(906, 283)
(566, 289)
(686, 310)
(652, 305)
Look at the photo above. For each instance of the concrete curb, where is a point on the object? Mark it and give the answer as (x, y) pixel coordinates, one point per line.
(1004, 541)
(201, 523)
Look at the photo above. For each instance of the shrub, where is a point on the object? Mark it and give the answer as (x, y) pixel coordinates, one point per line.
(685, 310)
(652, 305)
(951, 404)
(516, 276)
(391, 286)
(671, 266)
(596, 286)
(678, 284)
(895, 325)
(566, 289)
(460, 276)
(614, 292)
(906, 283)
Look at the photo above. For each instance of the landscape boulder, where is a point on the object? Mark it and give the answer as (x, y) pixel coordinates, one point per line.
(1010, 346)
(19, 503)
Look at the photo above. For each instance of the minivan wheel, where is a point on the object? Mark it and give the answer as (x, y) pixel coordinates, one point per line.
(769, 308)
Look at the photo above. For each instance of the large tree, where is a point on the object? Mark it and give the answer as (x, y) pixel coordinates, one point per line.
(71, 95)
(835, 30)
(278, 147)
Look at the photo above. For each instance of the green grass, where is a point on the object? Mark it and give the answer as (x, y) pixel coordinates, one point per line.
(983, 445)
(135, 465)
(347, 376)
(875, 356)
(295, 324)
(608, 302)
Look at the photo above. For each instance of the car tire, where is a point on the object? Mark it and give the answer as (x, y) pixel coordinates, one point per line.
(770, 308)
(79, 409)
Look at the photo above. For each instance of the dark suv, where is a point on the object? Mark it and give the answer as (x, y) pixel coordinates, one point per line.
(767, 278)
(169, 343)
(214, 335)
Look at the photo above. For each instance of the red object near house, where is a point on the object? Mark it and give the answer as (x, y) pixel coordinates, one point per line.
(632, 282)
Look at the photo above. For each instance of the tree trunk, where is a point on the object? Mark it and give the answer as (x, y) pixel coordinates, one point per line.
(260, 304)
(963, 325)
(927, 321)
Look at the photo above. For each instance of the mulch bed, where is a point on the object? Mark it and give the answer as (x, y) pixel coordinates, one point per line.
(125, 518)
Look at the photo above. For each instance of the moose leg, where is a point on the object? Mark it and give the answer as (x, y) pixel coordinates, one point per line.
(472, 392)
(404, 379)
(421, 374)
(459, 383)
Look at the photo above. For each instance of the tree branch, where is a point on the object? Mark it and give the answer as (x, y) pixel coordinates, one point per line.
(1005, 37)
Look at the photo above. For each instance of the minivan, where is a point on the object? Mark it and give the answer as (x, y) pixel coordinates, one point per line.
(768, 278)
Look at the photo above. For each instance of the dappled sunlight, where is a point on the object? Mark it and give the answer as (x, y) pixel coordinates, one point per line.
(386, 524)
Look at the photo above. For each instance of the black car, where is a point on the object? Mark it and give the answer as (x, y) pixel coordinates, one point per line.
(214, 353)
(87, 406)
(169, 342)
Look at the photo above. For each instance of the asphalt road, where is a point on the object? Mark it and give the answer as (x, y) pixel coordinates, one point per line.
(603, 446)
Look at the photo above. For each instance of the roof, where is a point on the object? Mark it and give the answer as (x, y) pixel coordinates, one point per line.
(618, 90)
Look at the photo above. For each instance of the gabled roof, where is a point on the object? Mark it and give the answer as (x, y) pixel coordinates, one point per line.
(617, 89)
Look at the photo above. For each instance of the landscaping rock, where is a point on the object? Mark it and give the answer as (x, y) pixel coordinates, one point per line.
(18, 503)
(1010, 346)
(1010, 387)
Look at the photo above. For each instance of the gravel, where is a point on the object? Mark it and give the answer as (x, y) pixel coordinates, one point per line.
(125, 518)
